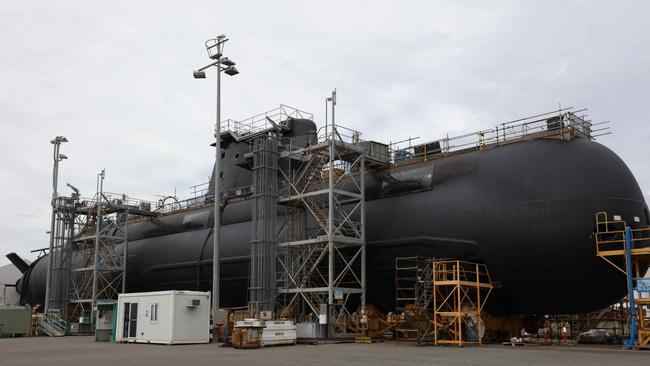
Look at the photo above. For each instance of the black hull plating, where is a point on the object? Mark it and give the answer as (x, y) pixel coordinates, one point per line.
(526, 210)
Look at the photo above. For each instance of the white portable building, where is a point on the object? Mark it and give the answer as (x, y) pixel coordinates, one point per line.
(164, 317)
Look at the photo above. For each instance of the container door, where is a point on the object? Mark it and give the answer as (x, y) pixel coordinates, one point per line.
(133, 320)
(130, 329)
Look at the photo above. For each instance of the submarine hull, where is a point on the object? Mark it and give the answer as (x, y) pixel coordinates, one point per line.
(526, 210)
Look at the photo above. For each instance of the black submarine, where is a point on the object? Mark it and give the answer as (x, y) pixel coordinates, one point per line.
(523, 206)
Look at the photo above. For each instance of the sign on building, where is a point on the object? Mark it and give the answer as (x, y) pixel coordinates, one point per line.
(643, 285)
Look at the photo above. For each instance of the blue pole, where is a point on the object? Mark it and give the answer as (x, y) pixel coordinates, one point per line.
(630, 287)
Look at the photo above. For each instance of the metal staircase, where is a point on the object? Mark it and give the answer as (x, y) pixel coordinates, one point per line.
(321, 258)
(53, 325)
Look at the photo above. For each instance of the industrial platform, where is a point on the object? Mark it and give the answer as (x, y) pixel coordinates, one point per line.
(71, 351)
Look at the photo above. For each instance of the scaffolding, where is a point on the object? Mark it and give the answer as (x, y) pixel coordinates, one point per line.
(413, 282)
(413, 296)
(322, 260)
(101, 246)
(440, 301)
(628, 250)
(460, 290)
(60, 259)
(308, 219)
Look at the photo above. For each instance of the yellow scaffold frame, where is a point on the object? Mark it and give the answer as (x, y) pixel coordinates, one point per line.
(460, 290)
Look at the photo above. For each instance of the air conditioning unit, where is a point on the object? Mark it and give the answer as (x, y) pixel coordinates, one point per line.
(191, 303)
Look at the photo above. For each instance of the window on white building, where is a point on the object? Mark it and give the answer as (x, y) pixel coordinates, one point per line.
(154, 312)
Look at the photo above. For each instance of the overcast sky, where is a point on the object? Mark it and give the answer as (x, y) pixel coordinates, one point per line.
(115, 79)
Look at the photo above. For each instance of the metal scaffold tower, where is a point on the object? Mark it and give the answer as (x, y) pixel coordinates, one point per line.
(413, 296)
(460, 290)
(628, 250)
(101, 244)
(322, 258)
(61, 257)
(323, 265)
(321, 269)
(413, 283)
(308, 218)
(440, 301)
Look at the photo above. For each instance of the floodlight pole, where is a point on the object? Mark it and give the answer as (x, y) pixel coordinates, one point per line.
(215, 52)
(216, 268)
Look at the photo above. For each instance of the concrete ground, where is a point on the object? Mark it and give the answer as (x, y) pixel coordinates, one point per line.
(72, 351)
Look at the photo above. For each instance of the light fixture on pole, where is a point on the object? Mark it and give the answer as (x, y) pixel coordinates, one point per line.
(215, 52)
(57, 157)
(227, 62)
(231, 70)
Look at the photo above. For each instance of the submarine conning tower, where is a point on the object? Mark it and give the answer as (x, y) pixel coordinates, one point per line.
(235, 171)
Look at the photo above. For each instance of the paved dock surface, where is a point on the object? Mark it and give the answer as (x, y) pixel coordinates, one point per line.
(73, 351)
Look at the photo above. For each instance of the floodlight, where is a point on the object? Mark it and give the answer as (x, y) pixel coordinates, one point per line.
(228, 62)
(231, 70)
(58, 140)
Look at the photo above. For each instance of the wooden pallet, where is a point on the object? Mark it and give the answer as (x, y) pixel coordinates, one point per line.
(366, 340)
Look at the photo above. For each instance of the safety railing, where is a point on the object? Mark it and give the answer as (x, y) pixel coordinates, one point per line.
(53, 318)
(200, 190)
(375, 151)
(114, 202)
(456, 271)
(166, 204)
(200, 197)
(264, 121)
(119, 199)
(562, 124)
(338, 133)
(610, 237)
